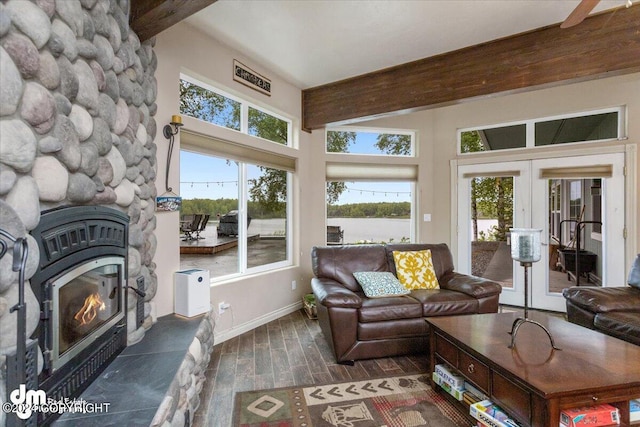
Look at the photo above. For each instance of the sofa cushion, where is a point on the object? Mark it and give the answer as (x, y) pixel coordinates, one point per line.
(443, 302)
(339, 262)
(389, 308)
(623, 325)
(415, 269)
(440, 255)
(602, 300)
(378, 284)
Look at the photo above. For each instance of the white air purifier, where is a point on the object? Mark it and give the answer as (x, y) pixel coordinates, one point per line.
(192, 292)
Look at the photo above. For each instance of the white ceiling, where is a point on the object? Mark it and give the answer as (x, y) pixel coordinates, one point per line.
(314, 42)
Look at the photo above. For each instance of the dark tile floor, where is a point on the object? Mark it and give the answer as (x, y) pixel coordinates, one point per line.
(285, 352)
(135, 383)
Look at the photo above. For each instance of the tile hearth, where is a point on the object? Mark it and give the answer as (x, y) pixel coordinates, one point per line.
(136, 383)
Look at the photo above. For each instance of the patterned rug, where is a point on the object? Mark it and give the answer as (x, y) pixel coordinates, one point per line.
(404, 401)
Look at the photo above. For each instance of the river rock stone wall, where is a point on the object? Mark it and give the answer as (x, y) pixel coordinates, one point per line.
(77, 106)
(183, 397)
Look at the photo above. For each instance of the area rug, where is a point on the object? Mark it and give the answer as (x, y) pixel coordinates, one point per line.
(403, 401)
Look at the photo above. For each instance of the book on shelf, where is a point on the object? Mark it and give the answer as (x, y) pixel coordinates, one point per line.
(470, 398)
(491, 415)
(590, 416)
(457, 394)
(475, 391)
(453, 379)
(634, 410)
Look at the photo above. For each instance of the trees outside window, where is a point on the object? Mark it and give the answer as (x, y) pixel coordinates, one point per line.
(247, 203)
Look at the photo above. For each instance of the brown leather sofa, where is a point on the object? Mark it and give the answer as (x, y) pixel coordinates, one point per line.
(358, 327)
(614, 311)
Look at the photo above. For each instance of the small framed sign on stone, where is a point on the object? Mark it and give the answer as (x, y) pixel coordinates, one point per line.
(168, 203)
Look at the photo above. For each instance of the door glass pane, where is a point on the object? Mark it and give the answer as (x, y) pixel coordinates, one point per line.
(209, 190)
(491, 217)
(574, 224)
(267, 219)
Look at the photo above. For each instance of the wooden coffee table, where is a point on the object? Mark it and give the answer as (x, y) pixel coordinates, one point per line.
(532, 382)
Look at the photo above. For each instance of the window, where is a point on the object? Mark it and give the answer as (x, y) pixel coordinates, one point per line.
(244, 192)
(370, 202)
(369, 212)
(500, 138)
(594, 126)
(575, 129)
(248, 207)
(389, 143)
(204, 104)
(213, 105)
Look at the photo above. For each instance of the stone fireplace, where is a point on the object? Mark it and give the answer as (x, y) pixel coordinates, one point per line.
(77, 128)
(80, 284)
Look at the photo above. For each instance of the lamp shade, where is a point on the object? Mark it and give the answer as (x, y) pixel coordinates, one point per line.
(525, 244)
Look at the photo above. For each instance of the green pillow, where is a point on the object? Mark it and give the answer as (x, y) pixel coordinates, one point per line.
(378, 284)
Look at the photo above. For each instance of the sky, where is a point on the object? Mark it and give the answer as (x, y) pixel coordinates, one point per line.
(208, 177)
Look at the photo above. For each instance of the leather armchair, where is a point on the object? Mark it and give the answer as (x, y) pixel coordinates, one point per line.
(614, 311)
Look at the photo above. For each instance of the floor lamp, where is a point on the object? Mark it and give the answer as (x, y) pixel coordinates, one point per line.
(525, 247)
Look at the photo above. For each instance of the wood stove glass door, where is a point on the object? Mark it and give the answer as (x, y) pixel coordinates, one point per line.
(86, 301)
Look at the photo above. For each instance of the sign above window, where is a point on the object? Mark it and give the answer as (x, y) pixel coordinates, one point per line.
(248, 77)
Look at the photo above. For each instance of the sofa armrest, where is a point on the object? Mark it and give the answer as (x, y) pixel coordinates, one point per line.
(331, 293)
(473, 286)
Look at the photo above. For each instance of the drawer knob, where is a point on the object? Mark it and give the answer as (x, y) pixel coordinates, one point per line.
(471, 369)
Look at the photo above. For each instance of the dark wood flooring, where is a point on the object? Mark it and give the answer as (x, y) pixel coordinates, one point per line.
(285, 352)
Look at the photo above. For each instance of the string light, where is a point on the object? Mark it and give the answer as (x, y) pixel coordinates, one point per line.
(220, 183)
(374, 192)
(359, 190)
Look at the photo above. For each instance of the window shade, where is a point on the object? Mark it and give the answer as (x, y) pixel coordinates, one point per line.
(234, 151)
(370, 172)
(501, 174)
(594, 171)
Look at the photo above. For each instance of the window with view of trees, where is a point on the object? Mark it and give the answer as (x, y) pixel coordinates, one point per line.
(370, 142)
(206, 103)
(248, 204)
(370, 209)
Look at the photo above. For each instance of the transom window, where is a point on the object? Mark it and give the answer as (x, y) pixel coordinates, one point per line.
(600, 125)
(205, 102)
(370, 141)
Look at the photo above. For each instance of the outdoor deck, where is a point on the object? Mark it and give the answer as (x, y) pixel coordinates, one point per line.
(500, 270)
(210, 244)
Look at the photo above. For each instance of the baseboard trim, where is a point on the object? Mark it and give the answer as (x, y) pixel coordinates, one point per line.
(227, 334)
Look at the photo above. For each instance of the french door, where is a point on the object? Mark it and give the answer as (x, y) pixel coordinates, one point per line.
(574, 201)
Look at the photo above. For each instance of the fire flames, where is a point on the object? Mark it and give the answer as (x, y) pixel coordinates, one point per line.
(92, 304)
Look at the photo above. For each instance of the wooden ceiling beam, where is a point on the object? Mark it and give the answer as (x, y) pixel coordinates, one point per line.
(602, 45)
(150, 17)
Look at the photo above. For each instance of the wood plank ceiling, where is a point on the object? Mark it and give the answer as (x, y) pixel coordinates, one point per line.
(602, 45)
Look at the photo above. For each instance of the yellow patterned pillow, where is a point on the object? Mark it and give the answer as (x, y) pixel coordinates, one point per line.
(415, 269)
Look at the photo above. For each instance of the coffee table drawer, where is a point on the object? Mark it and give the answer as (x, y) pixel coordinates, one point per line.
(474, 370)
(511, 397)
(447, 351)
